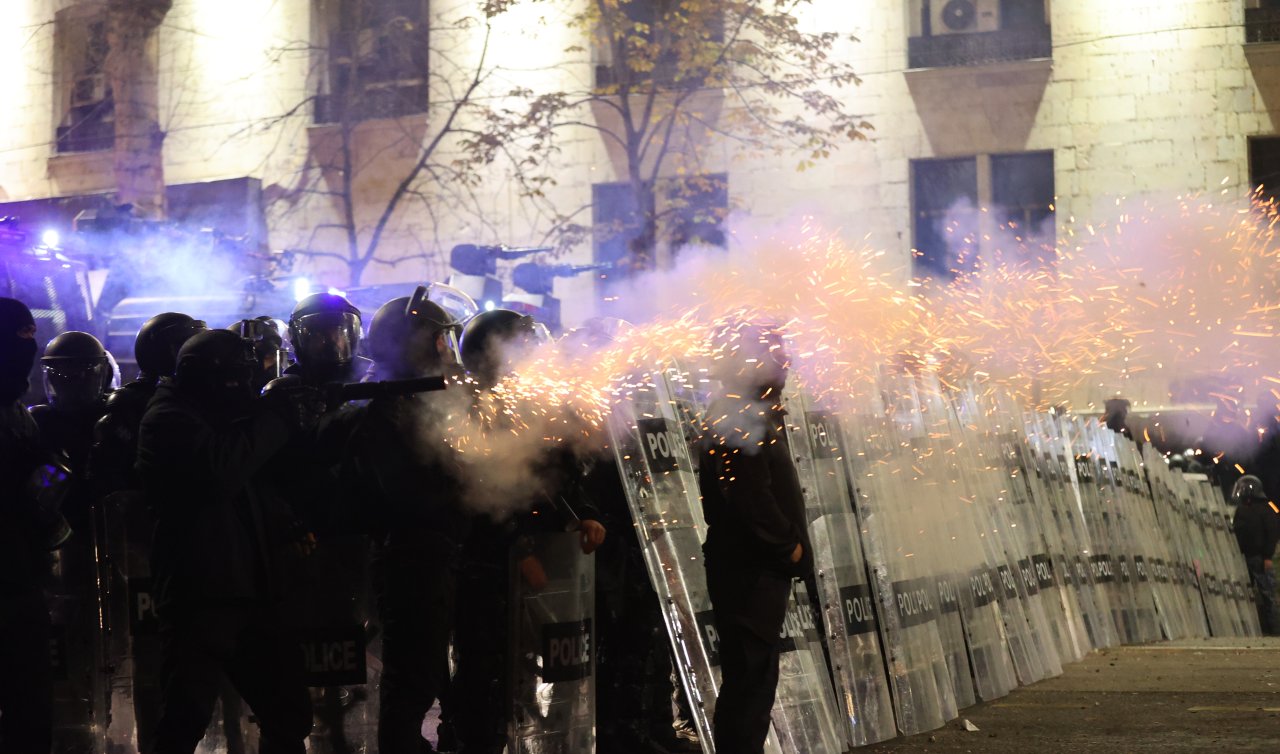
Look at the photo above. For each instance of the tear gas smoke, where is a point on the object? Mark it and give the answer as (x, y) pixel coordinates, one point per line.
(1184, 290)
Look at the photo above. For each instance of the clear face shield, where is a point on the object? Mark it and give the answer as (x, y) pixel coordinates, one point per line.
(73, 384)
(326, 338)
(451, 299)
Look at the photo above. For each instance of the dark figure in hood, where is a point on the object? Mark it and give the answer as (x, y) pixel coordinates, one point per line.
(757, 535)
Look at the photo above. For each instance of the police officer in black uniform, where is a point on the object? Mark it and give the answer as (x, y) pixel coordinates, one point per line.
(407, 480)
(325, 331)
(129, 522)
(29, 528)
(1257, 529)
(203, 448)
(78, 375)
(492, 343)
(757, 536)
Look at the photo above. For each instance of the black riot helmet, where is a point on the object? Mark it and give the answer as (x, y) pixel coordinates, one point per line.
(78, 373)
(216, 369)
(494, 340)
(413, 336)
(325, 331)
(158, 341)
(1248, 488)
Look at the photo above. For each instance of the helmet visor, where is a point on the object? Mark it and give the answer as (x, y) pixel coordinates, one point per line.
(73, 384)
(326, 338)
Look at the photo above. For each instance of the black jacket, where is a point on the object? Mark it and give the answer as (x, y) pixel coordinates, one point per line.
(23, 560)
(751, 494)
(115, 438)
(1257, 529)
(403, 480)
(219, 531)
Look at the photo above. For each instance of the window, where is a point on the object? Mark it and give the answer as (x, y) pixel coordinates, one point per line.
(1261, 21)
(377, 60)
(946, 33)
(86, 117)
(661, 53)
(951, 229)
(1264, 166)
(618, 223)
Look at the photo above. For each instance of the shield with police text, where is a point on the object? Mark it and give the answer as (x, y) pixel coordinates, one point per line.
(553, 651)
(844, 595)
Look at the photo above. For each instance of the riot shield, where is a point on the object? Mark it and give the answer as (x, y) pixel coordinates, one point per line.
(975, 422)
(662, 492)
(552, 656)
(848, 618)
(904, 589)
(805, 716)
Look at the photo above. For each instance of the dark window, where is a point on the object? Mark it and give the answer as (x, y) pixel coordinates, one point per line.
(950, 234)
(377, 61)
(946, 215)
(976, 32)
(1262, 21)
(1264, 165)
(88, 120)
(618, 223)
(667, 44)
(696, 209)
(1022, 201)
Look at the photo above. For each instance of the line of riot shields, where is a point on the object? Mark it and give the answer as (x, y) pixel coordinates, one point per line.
(963, 546)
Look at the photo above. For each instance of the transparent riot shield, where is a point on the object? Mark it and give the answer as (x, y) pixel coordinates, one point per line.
(848, 618)
(976, 424)
(662, 492)
(805, 715)
(552, 654)
(904, 588)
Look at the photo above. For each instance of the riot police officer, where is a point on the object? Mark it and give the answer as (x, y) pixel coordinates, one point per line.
(408, 491)
(1257, 529)
(325, 331)
(757, 535)
(78, 374)
(221, 535)
(128, 522)
(78, 377)
(27, 532)
(493, 343)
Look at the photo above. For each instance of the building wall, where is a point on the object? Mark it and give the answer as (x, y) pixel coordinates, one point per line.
(1142, 97)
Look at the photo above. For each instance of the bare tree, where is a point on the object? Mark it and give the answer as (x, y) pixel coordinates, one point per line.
(403, 122)
(673, 77)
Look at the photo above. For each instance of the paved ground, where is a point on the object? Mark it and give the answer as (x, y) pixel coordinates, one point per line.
(1192, 696)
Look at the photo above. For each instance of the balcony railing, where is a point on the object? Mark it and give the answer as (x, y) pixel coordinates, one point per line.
(1261, 25)
(980, 48)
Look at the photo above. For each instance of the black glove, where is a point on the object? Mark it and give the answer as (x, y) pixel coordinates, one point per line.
(300, 404)
(46, 488)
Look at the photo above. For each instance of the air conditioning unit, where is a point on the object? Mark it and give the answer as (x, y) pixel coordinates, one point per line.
(89, 90)
(965, 16)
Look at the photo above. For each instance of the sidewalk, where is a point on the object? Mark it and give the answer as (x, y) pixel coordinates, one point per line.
(1192, 696)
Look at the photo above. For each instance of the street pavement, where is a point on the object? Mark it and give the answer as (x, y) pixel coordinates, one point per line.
(1215, 695)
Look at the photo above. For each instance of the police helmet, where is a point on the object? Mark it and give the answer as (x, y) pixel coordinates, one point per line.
(78, 372)
(325, 330)
(156, 347)
(1247, 487)
(748, 354)
(412, 334)
(216, 361)
(493, 339)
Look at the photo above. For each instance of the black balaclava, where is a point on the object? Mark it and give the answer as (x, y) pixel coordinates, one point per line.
(17, 349)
